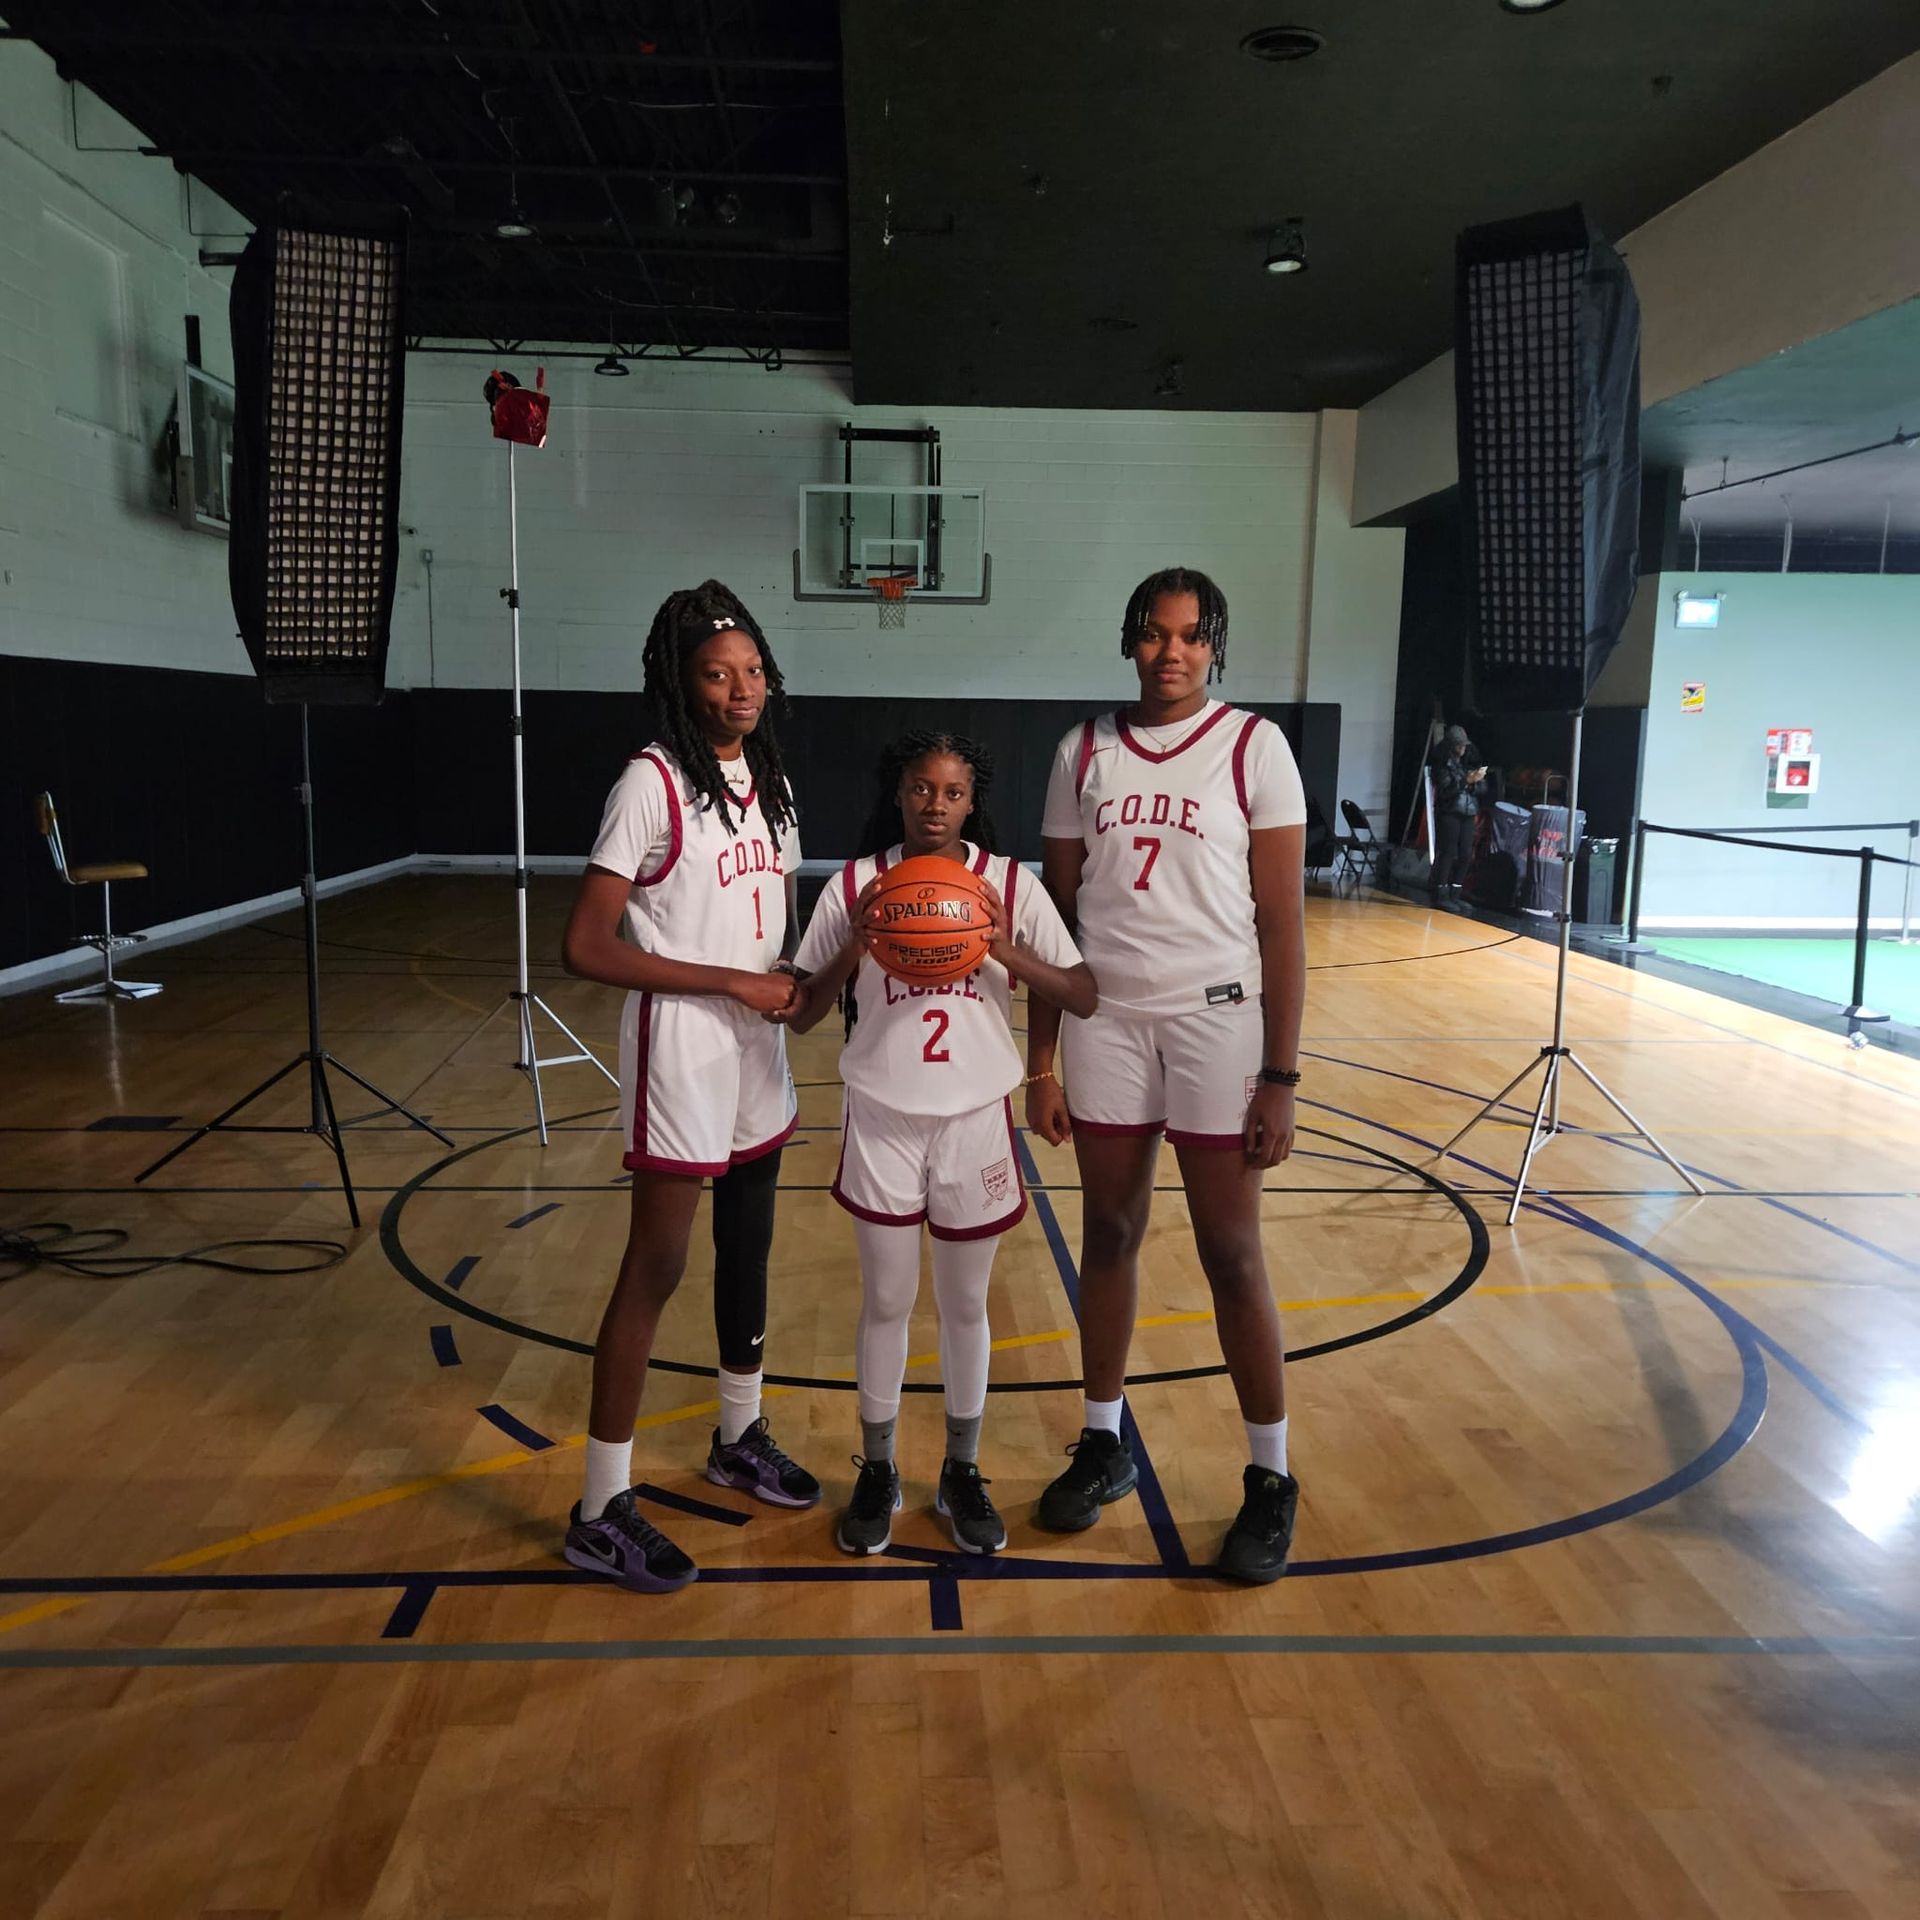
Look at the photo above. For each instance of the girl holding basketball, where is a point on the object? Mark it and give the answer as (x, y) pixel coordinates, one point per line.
(1173, 840)
(686, 904)
(927, 1133)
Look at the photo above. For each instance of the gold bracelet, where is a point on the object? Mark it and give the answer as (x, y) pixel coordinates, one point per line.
(1034, 1079)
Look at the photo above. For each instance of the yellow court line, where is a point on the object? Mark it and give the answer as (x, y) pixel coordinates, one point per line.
(500, 1462)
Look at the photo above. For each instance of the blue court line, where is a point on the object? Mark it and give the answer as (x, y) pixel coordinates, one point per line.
(686, 1503)
(457, 1273)
(526, 1219)
(943, 1600)
(408, 1610)
(443, 1348)
(514, 1429)
(1153, 1499)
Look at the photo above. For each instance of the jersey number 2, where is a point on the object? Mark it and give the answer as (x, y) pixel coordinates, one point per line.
(1152, 846)
(939, 1022)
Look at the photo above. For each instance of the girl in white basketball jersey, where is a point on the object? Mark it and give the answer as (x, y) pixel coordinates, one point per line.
(1173, 842)
(928, 1129)
(687, 904)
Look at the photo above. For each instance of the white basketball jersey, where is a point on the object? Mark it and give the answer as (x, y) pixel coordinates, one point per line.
(945, 1048)
(700, 893)
(1166, 898)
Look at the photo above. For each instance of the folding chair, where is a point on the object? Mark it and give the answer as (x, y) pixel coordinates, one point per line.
(1362, 849)
(101, 874)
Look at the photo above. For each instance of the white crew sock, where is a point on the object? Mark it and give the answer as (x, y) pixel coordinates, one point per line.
(739, 1403)
(1104, 1415)
(609, 1471)
(1267, 1444)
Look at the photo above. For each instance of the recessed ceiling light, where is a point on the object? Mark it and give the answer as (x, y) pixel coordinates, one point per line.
(1287, 249)
(1283, 43)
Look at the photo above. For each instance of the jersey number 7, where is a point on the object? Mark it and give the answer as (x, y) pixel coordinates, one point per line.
(1152, 845)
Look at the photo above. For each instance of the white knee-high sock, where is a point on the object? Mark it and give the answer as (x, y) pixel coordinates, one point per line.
(889, 1280)
(961, 1271)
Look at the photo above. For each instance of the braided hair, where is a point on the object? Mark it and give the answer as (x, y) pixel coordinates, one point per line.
(1213, 612)
(885, 826)
(684, 621)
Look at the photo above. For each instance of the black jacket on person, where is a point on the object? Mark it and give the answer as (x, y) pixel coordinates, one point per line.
(1451, 794)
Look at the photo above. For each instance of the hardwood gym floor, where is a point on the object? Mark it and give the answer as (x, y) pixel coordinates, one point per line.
(1605, 1589)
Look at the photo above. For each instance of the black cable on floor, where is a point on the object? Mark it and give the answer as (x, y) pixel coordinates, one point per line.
(92, 1253)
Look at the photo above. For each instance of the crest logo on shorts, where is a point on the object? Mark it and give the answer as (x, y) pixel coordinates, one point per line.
(1253, 1087)
(998, 1179)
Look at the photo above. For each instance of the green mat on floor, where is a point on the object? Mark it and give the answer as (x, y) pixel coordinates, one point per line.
(1821, 969)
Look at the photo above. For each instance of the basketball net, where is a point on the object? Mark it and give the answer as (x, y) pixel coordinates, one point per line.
(890, 592)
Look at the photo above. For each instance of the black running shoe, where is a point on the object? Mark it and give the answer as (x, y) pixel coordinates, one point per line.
(1102, 1472)
(971, 1514)
(626, 1548)
(1255, 1549)
(867, 1525)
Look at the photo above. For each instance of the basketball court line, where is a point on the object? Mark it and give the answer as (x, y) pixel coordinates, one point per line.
(427, 1652)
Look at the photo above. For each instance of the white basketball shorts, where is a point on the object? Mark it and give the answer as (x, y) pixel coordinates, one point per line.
(1190, 1075)
(958, 1172)
(704, 1084)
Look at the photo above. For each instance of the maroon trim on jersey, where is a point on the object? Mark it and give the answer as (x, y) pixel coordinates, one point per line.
(741, 1155)
(848, 891)
(1147, 753)
(1240, 765)
(1013, 880)
(980, 860)
(1178, 1137)
(675, 832)
(1007, 1222)
(880, 863)
(1134, 1128)
(853, 1206)
(1084, 759)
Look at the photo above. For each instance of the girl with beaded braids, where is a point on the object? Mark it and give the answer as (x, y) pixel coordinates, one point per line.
(687, 904)
(927, 1127)
(1173, 842)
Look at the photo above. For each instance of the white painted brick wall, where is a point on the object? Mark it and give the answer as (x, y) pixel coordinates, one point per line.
(92, 565)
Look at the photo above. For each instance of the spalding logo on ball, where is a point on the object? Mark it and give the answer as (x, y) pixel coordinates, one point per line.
(932, 920)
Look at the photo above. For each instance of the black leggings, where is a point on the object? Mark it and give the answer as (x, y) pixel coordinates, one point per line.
(1454, 834)
(742, 1237)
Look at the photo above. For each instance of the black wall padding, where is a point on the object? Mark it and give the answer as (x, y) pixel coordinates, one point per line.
(194, 774)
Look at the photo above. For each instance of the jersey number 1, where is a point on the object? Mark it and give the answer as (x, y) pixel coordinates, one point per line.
(938, 1021)
(1152, 847)
(759, 932)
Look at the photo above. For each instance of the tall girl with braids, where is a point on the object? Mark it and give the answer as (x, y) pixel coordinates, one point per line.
(927, 1133)
(1173, 840)
(687, 903)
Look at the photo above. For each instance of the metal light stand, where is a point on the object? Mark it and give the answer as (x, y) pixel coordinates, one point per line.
(322, 1120)
(524, 1000)
(1557, 1055)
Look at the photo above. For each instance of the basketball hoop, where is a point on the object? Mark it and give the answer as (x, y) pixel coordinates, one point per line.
(890, 592)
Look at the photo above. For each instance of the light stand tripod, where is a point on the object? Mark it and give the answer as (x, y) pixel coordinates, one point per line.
(1553, 1057)
(525, 1001)
(322, 1120)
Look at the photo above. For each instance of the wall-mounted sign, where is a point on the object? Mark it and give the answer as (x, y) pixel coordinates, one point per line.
(1693, 696)
(1797, 741)
(1696, 609)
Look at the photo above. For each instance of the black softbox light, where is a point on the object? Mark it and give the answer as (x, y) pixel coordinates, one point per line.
(1547, 385)
(319, 365)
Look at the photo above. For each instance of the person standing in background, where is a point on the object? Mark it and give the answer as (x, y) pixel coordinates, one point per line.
(1456, 806)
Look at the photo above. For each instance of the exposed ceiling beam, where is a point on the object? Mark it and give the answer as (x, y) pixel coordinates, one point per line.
(205, 160)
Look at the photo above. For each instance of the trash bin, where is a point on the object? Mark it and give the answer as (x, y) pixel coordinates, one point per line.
(1594, 893)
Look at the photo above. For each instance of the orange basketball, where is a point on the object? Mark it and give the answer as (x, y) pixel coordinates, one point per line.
(933, 920)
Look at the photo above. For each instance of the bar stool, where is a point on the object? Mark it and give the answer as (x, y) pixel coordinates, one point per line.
(101, 874)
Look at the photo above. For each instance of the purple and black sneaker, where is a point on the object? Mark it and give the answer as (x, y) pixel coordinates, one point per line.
(628, 1549)
(756, 1466)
